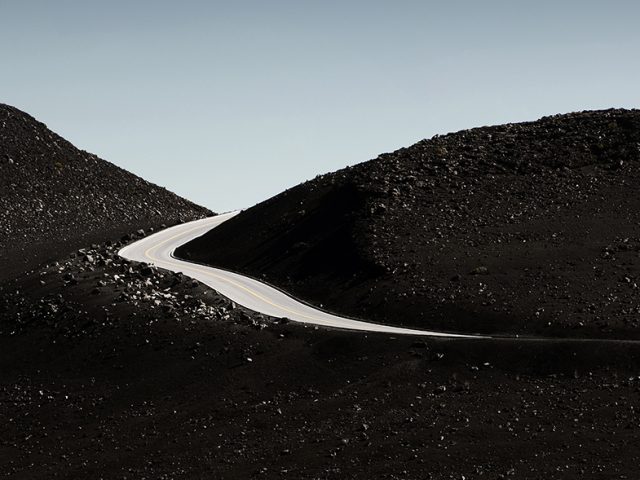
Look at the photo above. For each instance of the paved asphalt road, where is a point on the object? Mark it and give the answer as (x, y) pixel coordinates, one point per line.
(157, 249)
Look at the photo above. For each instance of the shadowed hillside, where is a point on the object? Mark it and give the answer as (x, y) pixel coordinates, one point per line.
(519, 228)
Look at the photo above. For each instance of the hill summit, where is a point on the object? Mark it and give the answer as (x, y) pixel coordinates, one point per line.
(528, 228)
(57, 197)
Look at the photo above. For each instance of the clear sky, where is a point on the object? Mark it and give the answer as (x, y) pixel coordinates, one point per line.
(228, 103)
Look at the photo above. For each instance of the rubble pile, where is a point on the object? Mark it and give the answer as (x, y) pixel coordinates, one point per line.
(56, 296)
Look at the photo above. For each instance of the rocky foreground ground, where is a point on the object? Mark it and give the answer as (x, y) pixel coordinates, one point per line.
(530, 228)
(112, 369)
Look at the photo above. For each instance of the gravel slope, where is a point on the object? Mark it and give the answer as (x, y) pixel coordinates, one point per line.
(530, 228)
(111, 369)
(55, 198)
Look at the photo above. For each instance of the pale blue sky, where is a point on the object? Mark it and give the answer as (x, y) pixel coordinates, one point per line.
(228, 103)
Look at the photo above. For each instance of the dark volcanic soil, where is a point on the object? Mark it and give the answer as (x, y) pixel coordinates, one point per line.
(529, 228)
(114, 370)
(56, 198)
(111, 369)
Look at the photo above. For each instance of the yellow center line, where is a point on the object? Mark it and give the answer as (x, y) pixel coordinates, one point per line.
(317, 320)
(148, 255)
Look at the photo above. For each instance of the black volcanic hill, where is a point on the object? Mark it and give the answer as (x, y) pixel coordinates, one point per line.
(54, 197)
(519, 228)
(116, 369)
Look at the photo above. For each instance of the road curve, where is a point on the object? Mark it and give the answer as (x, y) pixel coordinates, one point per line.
(157, 249)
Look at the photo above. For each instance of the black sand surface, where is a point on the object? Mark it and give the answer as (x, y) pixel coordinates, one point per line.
(148, 375)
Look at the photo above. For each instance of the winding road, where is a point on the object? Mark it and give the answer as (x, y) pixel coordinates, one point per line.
(157, 249)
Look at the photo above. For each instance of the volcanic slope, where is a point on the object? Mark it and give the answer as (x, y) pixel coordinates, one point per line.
(55, 198)
(115, 369)
(529, 228)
